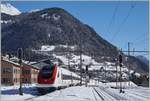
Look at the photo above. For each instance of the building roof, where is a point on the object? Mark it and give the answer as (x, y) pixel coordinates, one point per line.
(11, 62)
(17, 64)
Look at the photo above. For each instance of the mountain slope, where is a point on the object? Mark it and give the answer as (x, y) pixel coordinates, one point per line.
(55, 26)
(143, 59)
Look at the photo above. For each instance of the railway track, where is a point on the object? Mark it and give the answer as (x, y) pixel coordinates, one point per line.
(112, 94)
(98, 93)
(132, 93)
(106, 96)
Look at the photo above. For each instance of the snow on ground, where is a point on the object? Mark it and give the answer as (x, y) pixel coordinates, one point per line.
(43, 15)
(94, 92)
(7, 21)
(34, 10)
(17, 86)
(56, 16)
(67, 72)
(47, 48)
(137, 74)
(75, 59)
(15, 97)
(124, 84)
(11, 93)
(134, 93)
(86, 60)
(78, 93)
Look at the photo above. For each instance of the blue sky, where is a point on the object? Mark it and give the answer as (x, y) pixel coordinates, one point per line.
(117, 22)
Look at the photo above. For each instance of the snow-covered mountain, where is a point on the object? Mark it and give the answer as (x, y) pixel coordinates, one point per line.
(143, 59)
(9, 9)
(54, 32)
(34, 10)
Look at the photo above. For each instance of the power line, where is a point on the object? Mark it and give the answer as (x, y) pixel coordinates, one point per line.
(113, 17)
(136, 51)
(143, 39)
(128, 63)
(142, 42)
(124, 20)
(136, 39)
(146, 54)
(139, 37)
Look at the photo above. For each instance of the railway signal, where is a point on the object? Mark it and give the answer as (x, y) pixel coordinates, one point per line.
(20, 55)
(120, 64)
(120, 59)
(86, 74)
(86, 68)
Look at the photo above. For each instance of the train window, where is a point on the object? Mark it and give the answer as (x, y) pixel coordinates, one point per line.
(47, 71)
(58, 74)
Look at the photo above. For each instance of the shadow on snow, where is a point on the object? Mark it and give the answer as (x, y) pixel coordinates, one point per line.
(30, 90)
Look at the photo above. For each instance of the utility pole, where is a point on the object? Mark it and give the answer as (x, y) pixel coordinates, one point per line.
(105, 64)
(133, 51)
(80, 60)
(71, 80)
(86, 75)
(20, 54)
(105, 71)
(120, 78)
(81, 68)
(68, 55)
(116, 72)
(128, 60)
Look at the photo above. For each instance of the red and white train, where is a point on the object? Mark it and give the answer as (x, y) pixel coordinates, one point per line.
(53, 76)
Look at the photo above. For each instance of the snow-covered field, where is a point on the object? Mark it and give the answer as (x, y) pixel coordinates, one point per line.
(98, 92)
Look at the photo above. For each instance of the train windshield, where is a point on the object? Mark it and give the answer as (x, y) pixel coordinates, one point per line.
(47, 71)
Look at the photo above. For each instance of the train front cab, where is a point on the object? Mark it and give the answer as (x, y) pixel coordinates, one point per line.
(47, 78)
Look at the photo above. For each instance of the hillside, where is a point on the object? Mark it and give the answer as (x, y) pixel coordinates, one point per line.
(56, 27)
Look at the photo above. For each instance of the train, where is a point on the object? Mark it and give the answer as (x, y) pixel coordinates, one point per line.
(52, 77)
